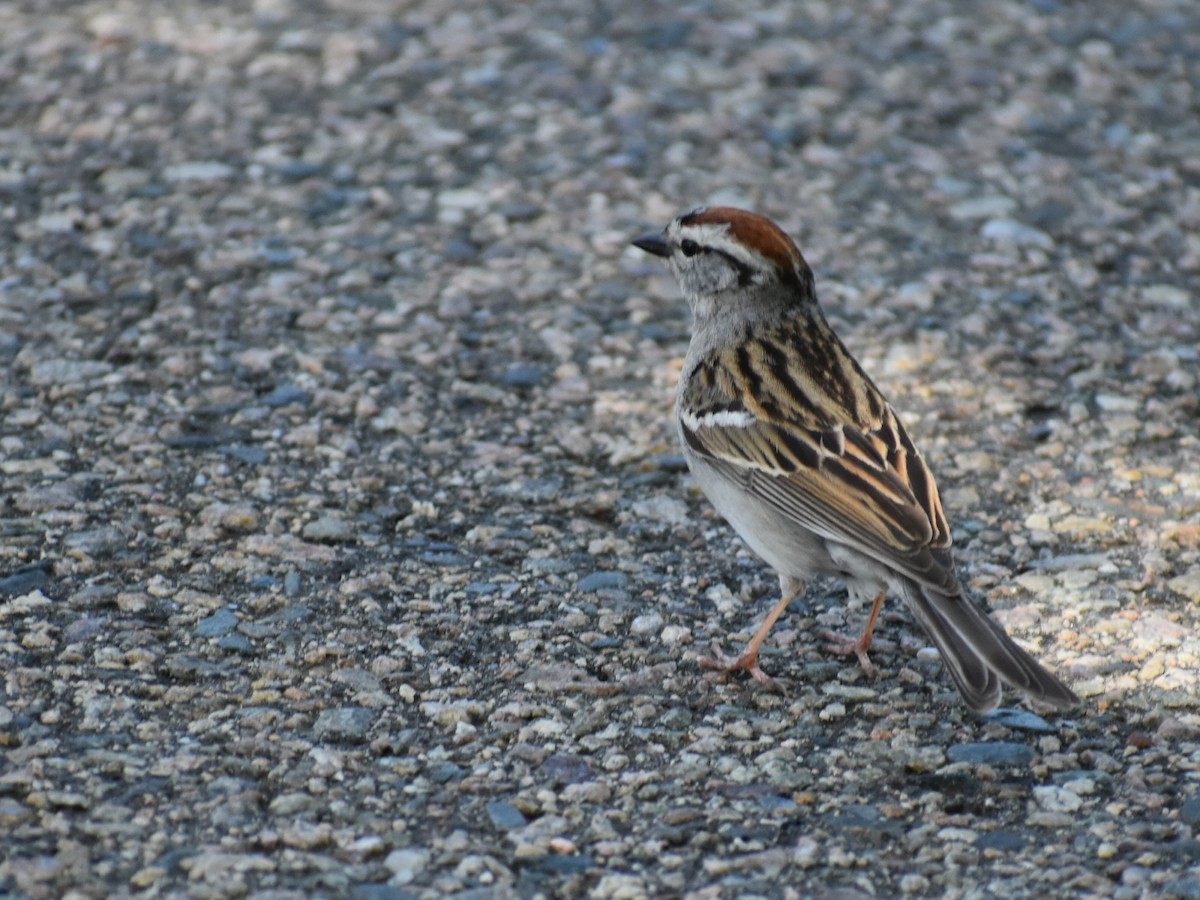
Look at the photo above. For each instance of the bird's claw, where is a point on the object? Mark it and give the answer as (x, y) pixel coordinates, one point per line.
(844, 646)
(722, 665)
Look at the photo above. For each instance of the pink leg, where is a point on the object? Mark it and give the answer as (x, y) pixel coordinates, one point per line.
(845, 645)
(748, 661)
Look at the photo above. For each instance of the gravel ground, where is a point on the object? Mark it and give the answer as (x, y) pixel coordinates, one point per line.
(345, 549)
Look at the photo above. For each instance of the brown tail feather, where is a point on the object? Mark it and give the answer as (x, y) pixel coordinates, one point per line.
(979, 654)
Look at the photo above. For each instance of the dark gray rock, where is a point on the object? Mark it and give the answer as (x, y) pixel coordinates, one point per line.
(991, 753)
(1020, 720)
(347, 723)
(505, 816)
(220, 623)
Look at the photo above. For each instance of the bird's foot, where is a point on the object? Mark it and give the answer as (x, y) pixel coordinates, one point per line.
(722, 664)
(844, 646)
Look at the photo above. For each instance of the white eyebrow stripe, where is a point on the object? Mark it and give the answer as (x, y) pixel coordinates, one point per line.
(723, 418)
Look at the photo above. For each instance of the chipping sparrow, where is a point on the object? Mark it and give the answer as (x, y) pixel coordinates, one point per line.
(794, 445)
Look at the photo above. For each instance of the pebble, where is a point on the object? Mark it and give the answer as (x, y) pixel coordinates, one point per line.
(1182, 889)
(350, 723)
(220, 623)
(445, 773)
(620, 886)
(57, 223)
(96, 541)
(231, 516)
(15, 527)
(676, 635)
(1169, 295)
(596, 581)
(848, 692)
(67, 371)
(668, 510)
(328, 529)
(988, 207)
(254, 456)
(26, 581)
(1189, 812)
(1187, 584)
(649, 623)
(1067, 561)
(505, 816)
(1013, 232)
(407, 864)
(286, 394)
(832, 711)
(1002, 840)
(1020, 720)
(991, 753)
(1056, 799)
(523, 376)
(200, 170)
(462, 199)
(566, 768)
(914, 884)
(236, 643)
(13, 813)
(292, 804)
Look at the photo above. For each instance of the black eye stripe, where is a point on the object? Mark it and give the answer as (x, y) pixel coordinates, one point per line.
(745, 275)
(690, 248)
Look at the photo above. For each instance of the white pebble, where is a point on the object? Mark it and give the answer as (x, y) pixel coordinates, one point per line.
(676, 635)
(650, 623)
(1052, 798)
(405, 865)
(1013, 232)
(833, 711)
(198, 171)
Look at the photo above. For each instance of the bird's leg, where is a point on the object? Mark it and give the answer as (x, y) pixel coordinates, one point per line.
(723, 665)
(846, 646)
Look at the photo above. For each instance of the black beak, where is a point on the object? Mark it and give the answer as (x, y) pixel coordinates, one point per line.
(653, 243)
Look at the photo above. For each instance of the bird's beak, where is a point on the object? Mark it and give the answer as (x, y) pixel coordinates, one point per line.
(653, 243)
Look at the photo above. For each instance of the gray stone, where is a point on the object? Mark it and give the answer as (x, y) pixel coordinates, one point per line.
(328, 529)
(1020, 720)
(1182, 889)
(218, 624)
(526, 375)
(30, 579)
(291, 583)
(236, 643)
(286, 394)
(381, 892)
(505, 816)
(1013, 232)
(599, 580)
(1189, 812)
(96, 541)
(68, 371)
(198, 171)
(677, 717)
(407, 864)
(991, 753)
(347, 723)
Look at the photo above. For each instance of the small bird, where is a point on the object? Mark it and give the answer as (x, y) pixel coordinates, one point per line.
(806, 459)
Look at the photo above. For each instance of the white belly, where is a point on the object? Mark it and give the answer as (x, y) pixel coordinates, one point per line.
(793, 551)
(789, 549)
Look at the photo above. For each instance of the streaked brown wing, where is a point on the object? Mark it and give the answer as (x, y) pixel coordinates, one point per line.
(866, 487)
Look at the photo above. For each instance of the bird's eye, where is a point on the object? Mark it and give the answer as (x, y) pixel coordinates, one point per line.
(689, 247)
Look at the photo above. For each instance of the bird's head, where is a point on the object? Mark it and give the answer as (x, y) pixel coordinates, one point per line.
(724, 254)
